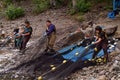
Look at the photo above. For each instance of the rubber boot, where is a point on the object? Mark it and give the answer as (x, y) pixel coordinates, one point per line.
(106, 60)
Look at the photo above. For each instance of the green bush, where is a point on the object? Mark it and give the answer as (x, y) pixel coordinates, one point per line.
(72, 11)
(79, 17)
(40, 6)
(59, 3)
(13, 12)
(83, 5)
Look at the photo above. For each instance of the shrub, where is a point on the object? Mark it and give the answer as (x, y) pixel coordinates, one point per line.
(59, 3)
(108, 7)
(83, 5)
(72, 11)
(80, 17)
(13, 12)
(40, 5)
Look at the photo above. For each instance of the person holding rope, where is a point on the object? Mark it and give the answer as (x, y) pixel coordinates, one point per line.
(100, 43)
(51, 36)
(18, 37)
(26, 35)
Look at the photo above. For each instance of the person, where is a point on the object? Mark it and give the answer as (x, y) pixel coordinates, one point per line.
(26, 35)
(100, 43)
(2, 32)
(51, 36)
(18, 37)
(15, 32)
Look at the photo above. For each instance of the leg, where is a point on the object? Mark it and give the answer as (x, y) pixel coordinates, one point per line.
(96, 51)
(47, 44)
(15, 43)
(104, 46)
(24, 42)
(52, 41)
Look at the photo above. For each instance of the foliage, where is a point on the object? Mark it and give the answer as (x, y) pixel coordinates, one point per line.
(108, 7)
(102, 1)
(79, 17)
(40, 5)
(83, 5)
(59, 3)
(13, 12)
(72, 11)
(5, 3)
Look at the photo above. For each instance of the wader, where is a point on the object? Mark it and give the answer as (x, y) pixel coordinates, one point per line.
(51, 41)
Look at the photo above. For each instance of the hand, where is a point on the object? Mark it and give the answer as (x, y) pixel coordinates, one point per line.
(71, 34)
(23, 34)
(93, 42)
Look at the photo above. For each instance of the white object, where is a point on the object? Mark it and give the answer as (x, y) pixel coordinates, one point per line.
(3, 32)
(45, 34)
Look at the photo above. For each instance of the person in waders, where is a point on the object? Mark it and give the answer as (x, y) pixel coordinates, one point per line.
(26, 35)
(51, 36)
(100, 43)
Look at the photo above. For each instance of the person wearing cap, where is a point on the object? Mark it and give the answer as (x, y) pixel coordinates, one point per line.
(51, 36)
(26, 35)
(100, 43)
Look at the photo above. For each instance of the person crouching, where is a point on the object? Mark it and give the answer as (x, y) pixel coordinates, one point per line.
(100, 43)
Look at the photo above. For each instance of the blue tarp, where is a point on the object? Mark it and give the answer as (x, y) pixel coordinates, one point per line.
(71, 55)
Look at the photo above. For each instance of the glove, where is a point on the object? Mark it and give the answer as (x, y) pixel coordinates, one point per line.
(45, 34)
(93, 42)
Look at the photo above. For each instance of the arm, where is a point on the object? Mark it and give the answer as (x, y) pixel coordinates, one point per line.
(99, 40)
(29, 32)
(26, 34)
(50, 30)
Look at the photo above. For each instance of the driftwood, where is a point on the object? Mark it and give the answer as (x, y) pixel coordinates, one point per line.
(111, 30)
(70, 39)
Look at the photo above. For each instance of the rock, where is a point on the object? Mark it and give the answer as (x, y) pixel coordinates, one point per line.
(102, 72)
(85, 68)
(113, 78)
(103, 77)
(92, 78)
(115, 66)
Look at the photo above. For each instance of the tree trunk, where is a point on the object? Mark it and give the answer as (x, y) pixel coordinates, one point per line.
(74, 3)
(52, 2)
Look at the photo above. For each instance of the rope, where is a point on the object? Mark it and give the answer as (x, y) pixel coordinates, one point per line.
(65, 61)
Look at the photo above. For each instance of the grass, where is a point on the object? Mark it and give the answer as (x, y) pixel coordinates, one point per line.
(12, 12)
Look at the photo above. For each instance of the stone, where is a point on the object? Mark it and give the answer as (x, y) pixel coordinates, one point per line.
(115, 66)
(103, 77)
(113, 78)
(102, 72)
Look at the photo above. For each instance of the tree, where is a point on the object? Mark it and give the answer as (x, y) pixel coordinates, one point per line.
(53, 2)
(74, 3)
